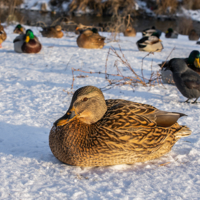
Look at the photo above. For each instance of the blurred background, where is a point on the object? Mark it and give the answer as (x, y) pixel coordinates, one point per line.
(110, 15)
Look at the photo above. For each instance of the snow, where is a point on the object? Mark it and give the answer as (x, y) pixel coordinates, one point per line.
(33, 89)
(193, 14)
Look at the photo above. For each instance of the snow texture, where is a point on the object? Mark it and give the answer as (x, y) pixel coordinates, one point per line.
(33, 95)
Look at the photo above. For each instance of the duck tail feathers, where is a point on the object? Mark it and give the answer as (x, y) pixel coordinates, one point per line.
(183, 132)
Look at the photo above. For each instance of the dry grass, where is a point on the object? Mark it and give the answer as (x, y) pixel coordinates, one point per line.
(166, 6)
(119, 79)
(112, 7)
(185, 25)
(192, 4)
(10, 3)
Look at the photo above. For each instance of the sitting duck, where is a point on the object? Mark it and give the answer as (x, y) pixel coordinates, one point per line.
(90, 39)
(19, 29)
(130, 32)
(192, 62)
(99, 132)
(150, 31)
(3, 35)
(193, 35)
(150, 43)
(52, 32)
(27, 43)
(170, 33)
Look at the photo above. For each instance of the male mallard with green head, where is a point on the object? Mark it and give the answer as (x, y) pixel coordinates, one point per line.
(99, 132)
(170, 33)
(19, 29)
(52, 32)
(27, 43)
(192, 62)
(3, 35)
(150, 43)
(149, 31)
(90, 39)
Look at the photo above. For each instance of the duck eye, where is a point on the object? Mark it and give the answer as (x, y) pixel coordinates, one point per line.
(85, 99)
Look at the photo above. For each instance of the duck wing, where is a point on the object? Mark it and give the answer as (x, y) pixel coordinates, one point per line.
(127, 115)
(139, 128)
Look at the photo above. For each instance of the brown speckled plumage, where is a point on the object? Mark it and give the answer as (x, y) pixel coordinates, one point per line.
(130, 32)
(52, 32)
(128, 132)
(3, 34)
(90, 40)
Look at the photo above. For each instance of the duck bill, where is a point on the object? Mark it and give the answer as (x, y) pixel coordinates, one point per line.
(77, 28)
(196, 63)
(21, 29)
(160, 40)
(69, 116)
(27, 39)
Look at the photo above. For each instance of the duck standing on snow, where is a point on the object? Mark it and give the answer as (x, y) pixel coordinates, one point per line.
(99, 132)
(3, 35)
(170, 33)
(192, 61)
(150, 43)
(130, 32)
(90, 39)
(19, 29)
(186, 80)
(52, 32)
(150, 31)
(27, 43)
(193, 35)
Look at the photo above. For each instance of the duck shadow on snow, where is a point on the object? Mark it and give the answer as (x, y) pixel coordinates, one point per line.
(33, 142)
(26, 141)
(49, 45)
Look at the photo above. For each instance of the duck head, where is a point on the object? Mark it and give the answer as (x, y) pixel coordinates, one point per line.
(88, 105)
(194, 58)
(29, 35)
(19, 27)
(170, 30)
(58, 28)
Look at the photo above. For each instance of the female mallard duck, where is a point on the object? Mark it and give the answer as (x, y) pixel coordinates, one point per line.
(95, 132)
(192, 61)
(150, 43)
(3, 35)
(90, 39)
(52, 32)
(170, 33)
(149, 31)
(27, 43)
(130, 32)
(193, 35)
(19, 29)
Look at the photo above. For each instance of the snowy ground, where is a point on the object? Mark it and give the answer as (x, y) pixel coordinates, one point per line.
(33, 95)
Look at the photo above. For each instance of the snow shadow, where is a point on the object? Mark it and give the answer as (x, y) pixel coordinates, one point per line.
(26, 141)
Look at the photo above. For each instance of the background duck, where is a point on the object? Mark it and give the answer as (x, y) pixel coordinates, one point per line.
(52, 32)
(193, 35)
(192, 61)
(150, 43)
(170, 33)
(3, 35)
(27, 43)
(19, 29)
(90, 39)
(150, 31)
(130, 32)
(95, 132)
